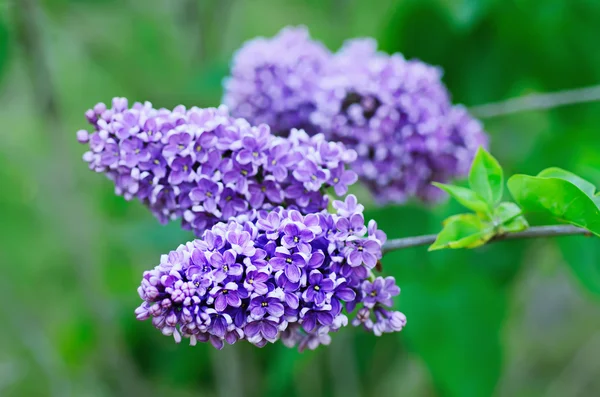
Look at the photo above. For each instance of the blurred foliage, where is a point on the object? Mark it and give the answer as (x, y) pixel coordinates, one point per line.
(505, 320)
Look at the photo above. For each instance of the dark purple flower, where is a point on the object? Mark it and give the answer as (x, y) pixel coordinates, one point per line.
(343, 291)
(316, 260)
(237, 283)
(290, 263)
(297, 235)
(262, 329)
(225, 265)
(268, 189)
(238, 175)
(266, 305)
(156, 164)
(226, 296)
(290, 291)
(231, 203)
(259, 260)
(256, 281)
(219, 322)
(319, 288)
(312, 319)
(206, 193)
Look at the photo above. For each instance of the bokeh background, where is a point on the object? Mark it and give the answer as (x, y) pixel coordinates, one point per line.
(511, 319)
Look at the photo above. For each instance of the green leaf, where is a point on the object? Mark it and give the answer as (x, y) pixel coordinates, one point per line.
(466, 197)
(508, 218)
(506, 212)
(557, 197)
(585, 186)
(486, 177)
(463, 231)
(516, 225)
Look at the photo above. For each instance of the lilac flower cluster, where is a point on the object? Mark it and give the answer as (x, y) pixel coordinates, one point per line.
(283, 275)
(395, 113)
(274, 81)
(204, 166)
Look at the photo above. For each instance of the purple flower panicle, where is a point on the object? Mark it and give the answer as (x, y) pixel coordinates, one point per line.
(252, 280)
(274, 80)
(203, 166)
(397, 115)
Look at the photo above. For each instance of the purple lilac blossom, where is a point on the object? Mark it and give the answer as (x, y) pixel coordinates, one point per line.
(274, 80)
(203, 166)
(244, 280)
(397, 115)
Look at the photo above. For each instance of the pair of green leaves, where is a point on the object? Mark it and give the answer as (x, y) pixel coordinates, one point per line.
(491, 216)
(561, 194)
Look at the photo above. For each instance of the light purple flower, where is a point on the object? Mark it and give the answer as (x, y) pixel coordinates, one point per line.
(379, 291)
(351, 227)
(134, 152)
(312, 176)
(181, 170)
(178, 145)
(241, 243)
(348, 207)
(253, 151)
(341, 178)
(364, 252)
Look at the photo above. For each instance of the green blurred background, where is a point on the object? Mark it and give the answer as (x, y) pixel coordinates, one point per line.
(511, 319)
